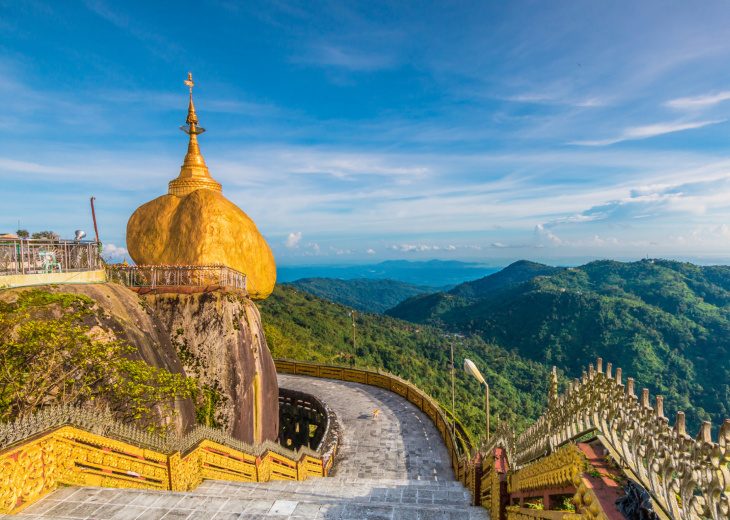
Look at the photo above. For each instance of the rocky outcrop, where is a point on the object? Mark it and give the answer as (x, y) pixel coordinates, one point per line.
(202, 228)
(220, 340)
(128, 316)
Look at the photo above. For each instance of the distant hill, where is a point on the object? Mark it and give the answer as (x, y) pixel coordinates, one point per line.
(517, 272)
(667, 324)
(367, 295)
(427, 308)
(302, 326)
(435, 273)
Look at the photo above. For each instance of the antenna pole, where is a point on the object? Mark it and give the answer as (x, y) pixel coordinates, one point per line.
(93, 215)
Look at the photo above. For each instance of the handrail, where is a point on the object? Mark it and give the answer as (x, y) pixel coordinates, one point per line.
(68, 445)
(688, 478)
(460, 455)
(157, 276)
(23, 256)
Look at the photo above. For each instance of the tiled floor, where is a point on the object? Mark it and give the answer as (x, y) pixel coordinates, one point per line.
(395, 467)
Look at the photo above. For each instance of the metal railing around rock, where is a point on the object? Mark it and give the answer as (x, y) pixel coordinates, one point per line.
(21, 256)
(194, 276)
(68, 445)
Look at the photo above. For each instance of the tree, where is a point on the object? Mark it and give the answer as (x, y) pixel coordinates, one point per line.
(45, 234)
(49, 357)
(22, 233)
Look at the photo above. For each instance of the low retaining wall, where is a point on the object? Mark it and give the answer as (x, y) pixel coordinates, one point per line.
(19, 280)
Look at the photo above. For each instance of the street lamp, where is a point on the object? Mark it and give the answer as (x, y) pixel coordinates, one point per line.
(450, 366)
(472, 369)
(352, 313)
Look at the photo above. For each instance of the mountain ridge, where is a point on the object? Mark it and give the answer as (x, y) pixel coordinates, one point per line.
(364, 294)
(666, 323)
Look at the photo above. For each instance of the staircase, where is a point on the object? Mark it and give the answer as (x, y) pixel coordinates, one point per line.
(393, 467)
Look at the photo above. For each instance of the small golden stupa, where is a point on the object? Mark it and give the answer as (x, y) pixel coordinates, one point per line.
(194, 224)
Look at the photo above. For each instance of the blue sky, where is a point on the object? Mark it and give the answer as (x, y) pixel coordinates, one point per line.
(365, 131)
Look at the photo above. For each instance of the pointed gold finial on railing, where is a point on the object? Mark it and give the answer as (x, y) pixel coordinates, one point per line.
(194, 173)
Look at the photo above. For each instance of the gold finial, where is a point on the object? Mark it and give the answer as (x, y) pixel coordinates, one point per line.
(192, 120)
(193, 173)
(189, 83)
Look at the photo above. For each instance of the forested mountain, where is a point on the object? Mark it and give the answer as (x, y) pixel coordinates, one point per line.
(302, 326)
(667, 324)
(367, 295)
(517, 272)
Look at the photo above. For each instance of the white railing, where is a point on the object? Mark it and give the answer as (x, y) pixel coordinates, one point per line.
(37, 256)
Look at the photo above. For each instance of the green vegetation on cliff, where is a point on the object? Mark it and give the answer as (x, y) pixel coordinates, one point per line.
(365, 294)
(53, 352)
(302, 326)
(667, 324)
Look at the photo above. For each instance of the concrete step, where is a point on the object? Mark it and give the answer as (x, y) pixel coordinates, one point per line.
(334, 490)
(272, 501)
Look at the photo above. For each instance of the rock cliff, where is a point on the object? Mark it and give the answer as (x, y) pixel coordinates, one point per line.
(128, 316)
(220, 340)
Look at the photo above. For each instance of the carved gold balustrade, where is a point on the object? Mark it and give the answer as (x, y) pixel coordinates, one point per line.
(41, 454)
(687, 478)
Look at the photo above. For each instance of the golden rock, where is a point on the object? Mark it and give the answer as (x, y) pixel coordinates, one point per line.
(194, 224)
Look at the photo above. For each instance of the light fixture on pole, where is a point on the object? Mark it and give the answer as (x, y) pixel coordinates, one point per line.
(450, 366)
(354, 346)
(472, 369)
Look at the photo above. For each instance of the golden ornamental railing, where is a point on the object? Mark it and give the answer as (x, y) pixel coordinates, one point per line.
(458, 443)
(686, 478)
(573, 461)
(71, 446)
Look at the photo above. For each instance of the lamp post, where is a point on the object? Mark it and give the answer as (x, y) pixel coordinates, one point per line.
(472, 369)
(354, 346)
(450, 366)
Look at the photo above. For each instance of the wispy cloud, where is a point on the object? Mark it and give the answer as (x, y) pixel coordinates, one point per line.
(698, 102)
(349, 59)
(644, 132)
(159, 46)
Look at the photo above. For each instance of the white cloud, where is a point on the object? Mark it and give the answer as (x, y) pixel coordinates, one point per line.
(115, 253)
(405, 248)
(545, 238)
(341, 251)
(292, 241)
(644, 132)
(450, 248)
(499, 244)
(698, 102)
(370, 252)
(707, 235)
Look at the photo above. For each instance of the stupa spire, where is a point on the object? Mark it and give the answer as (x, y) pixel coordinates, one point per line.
(194, 173)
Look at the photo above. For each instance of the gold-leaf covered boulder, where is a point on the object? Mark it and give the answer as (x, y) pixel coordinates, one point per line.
(194, 224)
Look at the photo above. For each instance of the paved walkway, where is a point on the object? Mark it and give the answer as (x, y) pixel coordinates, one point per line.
(395, 467)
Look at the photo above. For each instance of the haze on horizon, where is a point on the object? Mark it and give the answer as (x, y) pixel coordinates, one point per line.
(555, 132)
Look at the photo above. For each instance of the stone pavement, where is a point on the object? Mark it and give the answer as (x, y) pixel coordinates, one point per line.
(395, 467)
